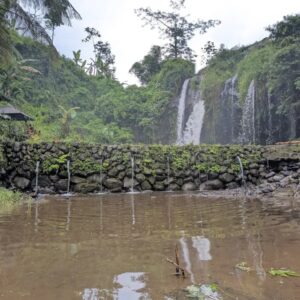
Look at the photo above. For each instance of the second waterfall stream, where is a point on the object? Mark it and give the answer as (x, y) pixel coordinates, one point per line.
(189, 125)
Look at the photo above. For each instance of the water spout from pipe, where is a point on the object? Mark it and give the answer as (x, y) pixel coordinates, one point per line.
(241, 171)
(37, 170)
(69, 176)
(132, 174)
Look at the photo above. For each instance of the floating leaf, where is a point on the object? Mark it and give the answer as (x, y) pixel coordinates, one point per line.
(243, 266)
(283, 272)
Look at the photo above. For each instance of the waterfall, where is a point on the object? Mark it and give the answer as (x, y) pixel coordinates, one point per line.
(37, 169)
(229, 121)
(181, 109)
(269, 141)
(248, 117)
(192, 131)
(189, 126)
(69, 176)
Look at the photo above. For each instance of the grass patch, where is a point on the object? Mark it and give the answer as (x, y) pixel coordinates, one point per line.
(9, 199)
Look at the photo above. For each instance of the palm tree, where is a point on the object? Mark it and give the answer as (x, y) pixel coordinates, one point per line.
(20, 17)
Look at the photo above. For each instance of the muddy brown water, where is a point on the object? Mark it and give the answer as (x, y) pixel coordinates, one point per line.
(115, 247)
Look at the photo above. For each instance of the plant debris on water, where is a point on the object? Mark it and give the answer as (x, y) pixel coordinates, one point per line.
(203, 292)
(283, 272)
(243, 266)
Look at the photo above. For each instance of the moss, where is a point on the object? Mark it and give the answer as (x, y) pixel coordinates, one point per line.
(88, 165)
(53, 164)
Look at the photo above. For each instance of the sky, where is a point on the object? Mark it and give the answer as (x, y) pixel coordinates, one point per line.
(242, 23)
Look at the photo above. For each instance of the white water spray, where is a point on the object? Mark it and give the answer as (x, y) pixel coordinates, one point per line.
(181, 109)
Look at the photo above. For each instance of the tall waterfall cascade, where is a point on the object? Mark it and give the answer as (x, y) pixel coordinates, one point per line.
(189, 127)
(248, 116)
(181, 109)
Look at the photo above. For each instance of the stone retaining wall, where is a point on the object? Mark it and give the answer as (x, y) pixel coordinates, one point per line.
(96, 168)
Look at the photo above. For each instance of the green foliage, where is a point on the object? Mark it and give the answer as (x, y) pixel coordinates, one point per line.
(172, 75)
(255, 65)
(149, 66)
(88, 165)
(8, 199)
(288, 28)
(52, 164)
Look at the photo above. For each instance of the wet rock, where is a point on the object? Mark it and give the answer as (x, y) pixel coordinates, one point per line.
(122, 175)
(145, 185)
(189, 186)
(151, 179)
(17, 147)
(212, 176)
(44, 181)
(140, 177)
(86, 187)
(21, 182)
(226, 177)
(267, 188)
(121, 167)
(269, 175)
(287, 181)
(212, 185)
(96, 178)
(46, 190)
(54, 178)
(113, 172)
(174, 187)
(147, 171)
(276, 178)
(232, 185)
(116, 190)
(203, 177)
(61, 185)
(254, 172)
(77, 179)
(113, 183)
(159, 186)
(128, 183)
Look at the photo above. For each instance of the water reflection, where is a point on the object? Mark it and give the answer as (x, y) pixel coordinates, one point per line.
(69, 203)
(202, 246)
(130, 286)
(186, 257)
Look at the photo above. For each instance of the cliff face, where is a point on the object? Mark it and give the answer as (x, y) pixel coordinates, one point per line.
(252, 95)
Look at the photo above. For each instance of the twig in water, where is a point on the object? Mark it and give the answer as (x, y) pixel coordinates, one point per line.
(177, 267)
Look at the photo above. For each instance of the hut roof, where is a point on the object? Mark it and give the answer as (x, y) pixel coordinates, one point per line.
(14, 114)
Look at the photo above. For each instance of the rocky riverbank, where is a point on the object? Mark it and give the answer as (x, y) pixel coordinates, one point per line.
(85, 168)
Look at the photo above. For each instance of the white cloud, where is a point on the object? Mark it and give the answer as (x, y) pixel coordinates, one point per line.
(243, 22)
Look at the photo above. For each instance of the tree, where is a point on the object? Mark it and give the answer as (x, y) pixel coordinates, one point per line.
(78, 60)
(59, 12)
(67, 116)
(175, 28)
(17, 16)
(103, 62)
(289, 27)
(209, 50)
(149, 66)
